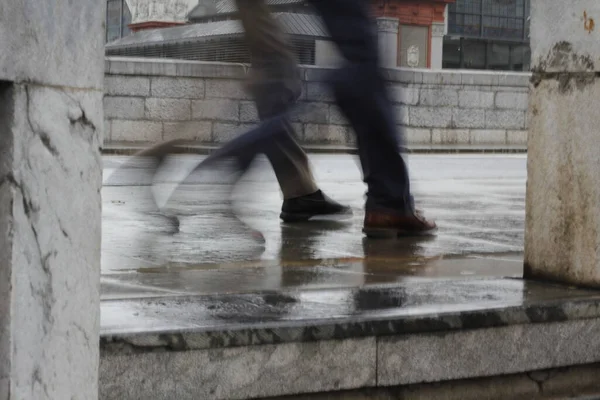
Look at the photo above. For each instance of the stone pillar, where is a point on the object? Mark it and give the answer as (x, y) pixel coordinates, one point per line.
(387, 29)
(51, 81)
(562, 239)
(438, 30)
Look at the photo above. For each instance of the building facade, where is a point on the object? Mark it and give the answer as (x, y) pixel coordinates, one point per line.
(488, 34)
(454, 34)
(419, 27)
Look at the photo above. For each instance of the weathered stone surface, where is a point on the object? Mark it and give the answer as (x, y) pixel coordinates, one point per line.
(52, 42)
(415, 135)
(7, 195)
(574, 382)
(223, 132)
(210, 69)
(563, 191)
(486, 352)
(442, 77)
(515, 387)
(248, 112)
(240, 373)
(512, 80)
(217, 110)
(430, 117)
(160, 109)
(480, 78)
(106, 132)
(410, 75)
(571, 382)
(439, 97)
(468, 118)
(314, 113)
(512, 100)
(564, 36)
(404, 95)
(51, 121)
(326, 134)
(136, 131)
(475, 99)
(198, 322)
(229, 89)
(505, 119)
(427, 103)
(123, 107)
(450, 136)
(53, 155)
(488, 136)
(141, 66)
(194, 130)
(137, 86)
(516, 137)
(183, 88)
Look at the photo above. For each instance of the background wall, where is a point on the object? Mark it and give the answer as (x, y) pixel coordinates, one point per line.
(148, 100)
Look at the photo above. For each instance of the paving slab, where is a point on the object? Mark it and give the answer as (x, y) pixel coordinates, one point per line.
(478, 201)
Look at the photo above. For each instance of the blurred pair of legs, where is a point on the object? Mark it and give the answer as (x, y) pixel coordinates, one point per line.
(275, 84)
(361, 94)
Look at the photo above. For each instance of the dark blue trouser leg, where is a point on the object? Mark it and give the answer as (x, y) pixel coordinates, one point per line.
(361, 93)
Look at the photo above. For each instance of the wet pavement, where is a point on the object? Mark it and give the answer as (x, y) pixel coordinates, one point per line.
(427, 305)
(477, 200)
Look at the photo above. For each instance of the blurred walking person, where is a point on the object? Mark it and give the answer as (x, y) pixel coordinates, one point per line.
(360, 92)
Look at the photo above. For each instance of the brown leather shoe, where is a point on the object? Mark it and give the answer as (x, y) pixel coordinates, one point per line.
(381, 224)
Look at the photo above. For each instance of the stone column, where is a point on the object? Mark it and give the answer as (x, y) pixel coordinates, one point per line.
(51, 81)
(438, 30)
(387, 29)
(562, 240)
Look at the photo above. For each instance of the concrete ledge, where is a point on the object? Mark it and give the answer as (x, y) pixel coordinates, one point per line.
(129, 148)
(207, 69)
(288, 343)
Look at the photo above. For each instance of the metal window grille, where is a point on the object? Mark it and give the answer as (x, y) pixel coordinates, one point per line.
(490, 19)
(227, 49)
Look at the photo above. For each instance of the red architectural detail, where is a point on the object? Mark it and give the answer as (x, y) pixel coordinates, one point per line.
(153, 25)
(413, 12)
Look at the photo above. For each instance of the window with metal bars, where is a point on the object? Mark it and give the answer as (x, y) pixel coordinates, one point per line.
(488, 34)
(493, 19)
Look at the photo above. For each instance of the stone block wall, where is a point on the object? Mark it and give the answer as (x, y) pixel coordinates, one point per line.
(149, 100)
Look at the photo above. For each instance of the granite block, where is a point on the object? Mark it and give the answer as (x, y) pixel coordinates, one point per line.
(180, 88)
(486, 352)
(239, 373)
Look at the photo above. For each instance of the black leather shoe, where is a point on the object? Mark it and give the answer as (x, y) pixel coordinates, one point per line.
(313, 206)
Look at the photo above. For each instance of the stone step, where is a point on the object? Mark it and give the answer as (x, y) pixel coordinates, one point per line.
(276, 343)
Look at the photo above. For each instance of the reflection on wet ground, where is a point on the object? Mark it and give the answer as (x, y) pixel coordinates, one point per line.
(477, 200)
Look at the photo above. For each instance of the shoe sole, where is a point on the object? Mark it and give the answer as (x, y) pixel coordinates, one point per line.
(375, 233)
(296, 217)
